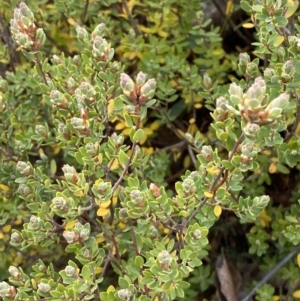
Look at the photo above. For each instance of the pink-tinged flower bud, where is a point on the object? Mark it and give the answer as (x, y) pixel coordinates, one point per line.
(60, 203)
(16, 238)
(252, 70)
(102, 49)
(165, 259)
(82, 33)
(15, 273)
(207, 82)
(24, 190)
(24, 40)
(276, 106)
(64, 131)
(71, 271)
(155, 190)
(99, 30)
(34, 223)
(128, 87)
(141, 78)
(271, 75)
(244, 58)
(103, 187)
(137, 197)
(207, 153)
(236, 94)
(188, 186)
(289, 68)
(7, 291)
(288, 71)
(58, 99)
(70, 173)
(115, 67)
(251, 129)
(23, 28)
(147, 91)
(197, 234)
(84, 234)
(92, 149)
(42, 130)
(255, 94)
(124, 294)
(71, 237)
(85, 92)
(44, 287)
(24, 168)
(221, 110)
(56, 60)
(40, 38)
(79, 124)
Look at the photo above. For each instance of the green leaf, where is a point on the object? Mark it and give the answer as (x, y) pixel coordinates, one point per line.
(123, 158)
(139, 134)
(139, 261)
(86, 273)
(128, 120)
(246, 6)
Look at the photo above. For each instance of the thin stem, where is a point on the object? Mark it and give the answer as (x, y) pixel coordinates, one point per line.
(272, 273)
(131, 20)
(216, 183)
(134, 145)
(39, 65)
(85, 11)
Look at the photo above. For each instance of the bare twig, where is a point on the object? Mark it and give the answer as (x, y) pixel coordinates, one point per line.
(131, 20)
(223, 173)
(39, 65)
(272, 272)
(84, 12)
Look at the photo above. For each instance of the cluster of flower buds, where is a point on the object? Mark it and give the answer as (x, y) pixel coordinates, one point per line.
(7, 291)
(165, 259)
(248, 151)
(24, 168)
(60, 203)
(250, 69)
(63, 131)
(80, 124)
(294, 42)
(80, 234)
(253, 106)
(138, 92)
(137, 197)
(15, 273)
(71, 271)
(188, 186)
(35, 223)
(124, 294)
(288, 71)
(58, 99)
(44, 287)
(85, 92)
(70, 173)
(221, 110)
(102, 50)
(24, 30)
(117, 139)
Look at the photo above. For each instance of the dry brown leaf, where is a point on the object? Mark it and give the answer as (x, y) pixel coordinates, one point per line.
(228, 280)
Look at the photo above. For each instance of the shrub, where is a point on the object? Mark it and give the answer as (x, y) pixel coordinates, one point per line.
(90, 138)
